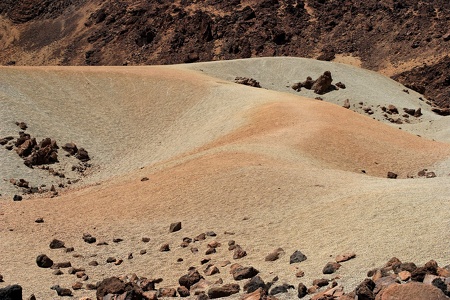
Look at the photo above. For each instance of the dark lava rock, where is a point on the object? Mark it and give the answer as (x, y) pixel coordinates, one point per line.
(254, 284)
(281, 289)
(11, 292)
(331, 267)
(239, 252)
(39, 220)
(183, 291)
(56, 244)
(164, 248)
(146, 239)
(223, 291)
(190, 279)
(323, 83)
(391, 175)
(43, 261)
(88, 238)
(365, 290)
(297, 257)
(110, 260)
(62, 292)
(167, 292)
(240, 272)
(111, 285)
(302, 290)
(320, 282)
(62, 265)
(175, 227)
(17, 198)
(82, 155)
(71, 148)
(247, 81)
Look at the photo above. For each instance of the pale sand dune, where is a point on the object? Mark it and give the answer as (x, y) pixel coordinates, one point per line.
(276, 169)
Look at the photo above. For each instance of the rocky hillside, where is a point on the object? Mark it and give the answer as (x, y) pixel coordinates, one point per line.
(409, 37)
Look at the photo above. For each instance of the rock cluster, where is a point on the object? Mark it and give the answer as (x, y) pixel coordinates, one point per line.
(247, 81)
(320, 86)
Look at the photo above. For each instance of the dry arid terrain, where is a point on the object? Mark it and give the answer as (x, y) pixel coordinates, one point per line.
(254, 150)
(266, 167)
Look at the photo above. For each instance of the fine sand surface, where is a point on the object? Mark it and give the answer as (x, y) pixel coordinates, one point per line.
(272, 166)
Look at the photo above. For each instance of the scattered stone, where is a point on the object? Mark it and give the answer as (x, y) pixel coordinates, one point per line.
(341, 85)
(404, 275)
(62, 292)
(302, 290)
(110, 260)
(144, 179)
(82, 155)
(11, 292)
(346, 104)
(276, 254)
(183, 291)
(190, 279)
(223, 291)
(175, 227)
(300, 274)
(391, 175)
(73, 270)
(224, 263)
(146, 239)
(320, 282)
(43, 261)
(323, 83)
(167, 292)
(239, 252)
(88, 238)
(164, 248)
(56, 244)
(93, 263)
(102, 244)
(211, 233)
(239, 272)
(211, 270)
(391, 109)
(22, 125)
(210, 251)
(17, 198)
(118, 262)
(331, 267)
(39, 220)
(281, 289)
(117, 240)
(69, 249)
(200, 237)
(57, 272)
(62, 265)
(345, 256)
(142, 252)
(365, 289)
(247, 81)
(77, 285)
(205, 260)
(254, 284)
(297, 257)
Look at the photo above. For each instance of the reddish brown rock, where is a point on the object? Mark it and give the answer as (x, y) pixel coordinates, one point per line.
(211, 270)
(223, 291)
(331, 267)
(274, 255)
(174, 227)
(404, 275)
(239, 252)
(43, 261)
(345, 256)
(323, 83)
(167, 292)
(190, 279)
(164, 248)
(413, 291)
(240, 272)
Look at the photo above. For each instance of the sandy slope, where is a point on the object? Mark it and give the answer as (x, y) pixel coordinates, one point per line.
(276, 169)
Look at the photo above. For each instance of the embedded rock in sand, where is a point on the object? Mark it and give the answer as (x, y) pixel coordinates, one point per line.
(175, 227)
(190, 279)
(247, 81)
(331, 267)
(43, 261)
(223, 291)
(297, 257)
(11, 292)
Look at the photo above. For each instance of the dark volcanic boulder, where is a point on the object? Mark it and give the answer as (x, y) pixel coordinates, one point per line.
(11, 292)
(223, 291)
(190, 279)
(323, 83)
(43, 261)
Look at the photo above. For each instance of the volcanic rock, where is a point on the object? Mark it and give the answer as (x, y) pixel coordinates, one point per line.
(71, 148)
(254, 284)
(281, 289)
(345, 256)
(167, 292)
(274, 255)
(211, 270)
(320, 282)
(88, 238)
(323, 83)
(11, 292)
(239, 252)
(43, 261)
(391, 175)
(302, 290)
(247, 81)
(183, 291)
(413, 291)
(240, 272)
(190, 279)
(56, 244)
(331, 267)
(297, 257)
(62, 292)
(175, 227)
(223, 291)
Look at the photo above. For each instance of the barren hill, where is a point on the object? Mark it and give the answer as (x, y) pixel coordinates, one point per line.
(387, 36)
